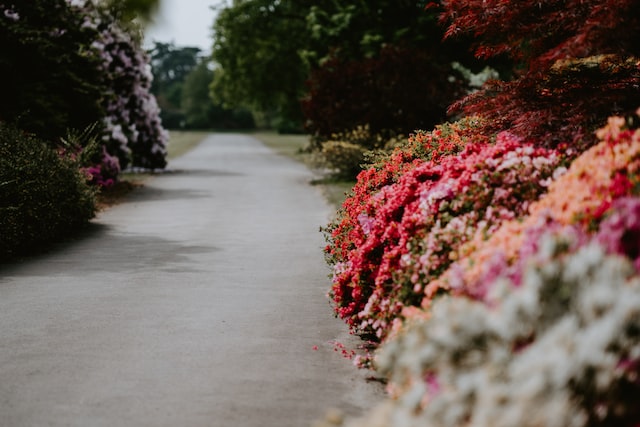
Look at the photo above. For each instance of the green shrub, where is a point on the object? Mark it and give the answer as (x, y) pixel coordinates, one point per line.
(343, 158)
(43, 194)
(345, 152)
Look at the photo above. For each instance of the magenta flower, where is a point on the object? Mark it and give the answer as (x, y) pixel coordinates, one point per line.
(620, 231)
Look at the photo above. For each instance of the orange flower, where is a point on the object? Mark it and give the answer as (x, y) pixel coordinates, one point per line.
(574, 197)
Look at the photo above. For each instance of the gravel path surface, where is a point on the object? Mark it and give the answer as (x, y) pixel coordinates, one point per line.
(196, 302)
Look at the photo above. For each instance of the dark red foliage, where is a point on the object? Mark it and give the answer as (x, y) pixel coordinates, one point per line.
(579, 64)
(401, 90)
(564, 105)
(539, 32)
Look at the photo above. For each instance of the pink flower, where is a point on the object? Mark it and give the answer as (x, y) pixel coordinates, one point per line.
(620, 231)
(366, 223)
(11, 14)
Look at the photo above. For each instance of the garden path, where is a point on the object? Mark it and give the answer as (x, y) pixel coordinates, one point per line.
(196, 302)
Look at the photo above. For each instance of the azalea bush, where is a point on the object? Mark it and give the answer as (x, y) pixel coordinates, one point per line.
(88, 152)
(561, 347)
(581, 196)
(499, 308)
(345, 234)
(103, 170)
(540, 324)
(392, 241)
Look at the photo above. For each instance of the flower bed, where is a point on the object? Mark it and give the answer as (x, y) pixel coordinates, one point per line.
(406, 221)
(535, 318)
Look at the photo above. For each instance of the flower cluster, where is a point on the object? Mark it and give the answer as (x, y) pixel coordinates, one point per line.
(11, 14)
(620, 232)
(408, 231)
(561, 349)
(105, 173)
(134, 132)
(544, 328)
(350, 229)
(580, 196)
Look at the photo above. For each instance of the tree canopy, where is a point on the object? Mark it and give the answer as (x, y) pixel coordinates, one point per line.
(265, 49)
(257, 45)
(171, 65)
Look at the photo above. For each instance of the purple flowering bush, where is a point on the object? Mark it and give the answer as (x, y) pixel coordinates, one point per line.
(133, 130)
(68, 64)
(69, 68)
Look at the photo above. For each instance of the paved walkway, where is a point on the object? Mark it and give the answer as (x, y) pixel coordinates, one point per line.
(197, 302)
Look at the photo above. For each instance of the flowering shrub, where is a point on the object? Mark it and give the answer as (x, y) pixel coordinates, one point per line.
(88, 152)
(43, 194)
(594, 180)
(346, 234)
(557, 345)
(444, 140)
(69, 64)
(133, 130)
(620, 232)
(562, 349)
(105, 173)
(544, 328)
(393, 240)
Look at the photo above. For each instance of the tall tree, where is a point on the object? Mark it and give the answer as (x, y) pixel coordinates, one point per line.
(136, 8)
(265, 49)
(200, 111)
(257, 45)
(196, 103)
(171, 65)
(358, 29)
(382, 64)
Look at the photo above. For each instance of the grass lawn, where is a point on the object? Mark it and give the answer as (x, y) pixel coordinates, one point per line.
(182, 141)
